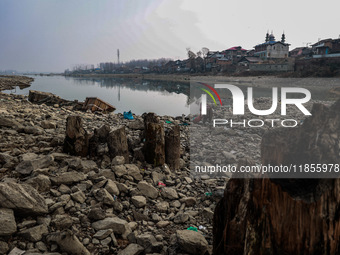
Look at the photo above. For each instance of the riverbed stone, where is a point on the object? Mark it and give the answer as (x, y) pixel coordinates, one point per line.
(7, 222)
(147, 189)
(22, 198)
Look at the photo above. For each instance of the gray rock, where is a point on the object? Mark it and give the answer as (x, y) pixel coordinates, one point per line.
(162, 206)
(7, 222)
(207, 213)
(119, 170)
(162, 224)
(9, 123)
(96, 214)
(191, 242)
(3, 247)
(122, 187)
(102, 195)
(27, 166)
(181, 218)
(46, 124)
(149, 243)
(5, 158)
(111, 187)
(132, 249)
(147, 189)
(88, 165)
(32, 130)
(22, 198)
(34, 234)
(133, 171)
(138, 201)
(102, 234)
(41, 183)
(78, 196)
(68, 243)
(169, 193)
(62, 222)
(118, 225)
(118, 160)
(68, 178)
(188, 201)
(229, 157)
(16, 251)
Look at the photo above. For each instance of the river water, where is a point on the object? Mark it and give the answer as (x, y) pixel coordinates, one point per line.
(165, 97)
(161, 97)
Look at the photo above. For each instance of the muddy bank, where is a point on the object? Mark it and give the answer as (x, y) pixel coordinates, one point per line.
(9, 82)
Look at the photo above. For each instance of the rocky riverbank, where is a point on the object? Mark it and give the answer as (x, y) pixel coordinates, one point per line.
(9, 82)
(55, 203)
(52, 202)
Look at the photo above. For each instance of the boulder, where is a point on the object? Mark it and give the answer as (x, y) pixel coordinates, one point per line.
(169, 193)
(68, 178)
(22, 198)
(191, 242)
(118, 225)
(27, 166)
(138, 201)
(132, 249)
(68, 243)
(147, 189)
(7, 222)
(34, 234)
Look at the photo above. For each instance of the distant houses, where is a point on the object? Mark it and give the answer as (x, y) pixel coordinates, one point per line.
(326, 48)
(269, 56)
(272, 49)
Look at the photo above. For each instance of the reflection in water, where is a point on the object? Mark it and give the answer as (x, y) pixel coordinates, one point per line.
(161, 97)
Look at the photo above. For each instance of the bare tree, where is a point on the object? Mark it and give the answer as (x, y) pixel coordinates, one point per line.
(205, 52)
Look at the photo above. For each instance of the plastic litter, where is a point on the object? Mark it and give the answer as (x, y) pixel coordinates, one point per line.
(208, 194)
(168, 121)
(184, 124)
(192, 228)
(160, 184)
(128, 115)
(200, 227)
(114, 197)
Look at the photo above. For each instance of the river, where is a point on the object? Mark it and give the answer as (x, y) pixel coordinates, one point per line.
(166, 97)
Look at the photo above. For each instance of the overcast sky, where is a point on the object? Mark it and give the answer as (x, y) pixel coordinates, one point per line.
(52, 35)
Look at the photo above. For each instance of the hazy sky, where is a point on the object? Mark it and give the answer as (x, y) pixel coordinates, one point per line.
(52, 35)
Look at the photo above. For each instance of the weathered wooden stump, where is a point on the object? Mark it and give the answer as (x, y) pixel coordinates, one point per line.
(286, 216)
(76, 141)
(99, 137)
(117, 144)
(173, 147)
(154, 146)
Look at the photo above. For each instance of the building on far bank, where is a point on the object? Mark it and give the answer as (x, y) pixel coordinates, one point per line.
(272, 49)
(235, 53)
(326, 48)
(301, 52)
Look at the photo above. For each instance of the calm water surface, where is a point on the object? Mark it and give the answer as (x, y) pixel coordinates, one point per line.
(165, 97)
(161, 97)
